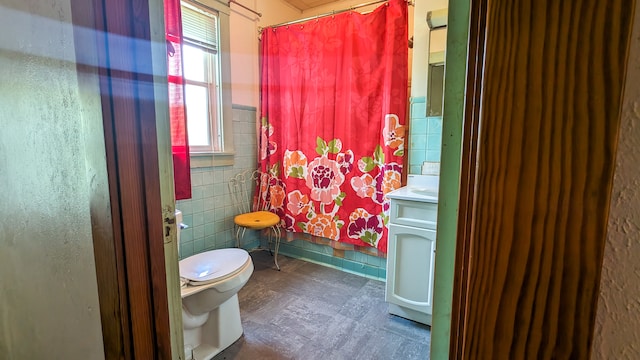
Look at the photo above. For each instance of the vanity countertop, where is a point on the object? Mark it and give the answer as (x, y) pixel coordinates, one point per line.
(423, 188)
(413, 193)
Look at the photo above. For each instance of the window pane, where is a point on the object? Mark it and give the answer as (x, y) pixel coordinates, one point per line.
(202, 28)
(197, 102)
(194, 63)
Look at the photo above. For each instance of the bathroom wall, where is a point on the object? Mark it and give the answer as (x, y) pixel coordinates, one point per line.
(51, 167)
(244, 27)
(616, 334)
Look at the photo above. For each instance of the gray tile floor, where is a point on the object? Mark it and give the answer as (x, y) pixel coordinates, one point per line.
(308, 311)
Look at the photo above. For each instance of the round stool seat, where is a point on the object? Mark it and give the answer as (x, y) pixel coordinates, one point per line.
(257, 220)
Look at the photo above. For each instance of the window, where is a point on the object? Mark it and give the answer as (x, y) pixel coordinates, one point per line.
(207, 87)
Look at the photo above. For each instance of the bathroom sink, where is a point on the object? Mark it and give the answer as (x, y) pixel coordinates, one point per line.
(416, 192)
(424, 191)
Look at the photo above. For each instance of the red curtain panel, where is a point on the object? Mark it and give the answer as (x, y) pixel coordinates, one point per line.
(177, 114)
(333, 108)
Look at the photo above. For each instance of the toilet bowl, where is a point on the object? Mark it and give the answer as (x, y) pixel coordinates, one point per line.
(210, 308)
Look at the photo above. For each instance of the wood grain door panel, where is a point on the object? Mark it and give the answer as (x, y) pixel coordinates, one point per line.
(544, 89)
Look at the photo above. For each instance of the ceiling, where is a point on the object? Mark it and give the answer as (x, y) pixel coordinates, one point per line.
(303, 5)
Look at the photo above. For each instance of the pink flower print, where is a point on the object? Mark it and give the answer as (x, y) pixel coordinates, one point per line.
(388, 179)
(324, 178)
(289, 222)
(392, 178)
(261, 201)
(363, 185)
(364, 226)
(295, 164)
(393, 132)
(346, 161)
(276, 193)
(358, 213)
(386, 206)
(298, 203)
(323, 225)
(267, 147)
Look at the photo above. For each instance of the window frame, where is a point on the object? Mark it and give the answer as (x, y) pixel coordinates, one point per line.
(224, 157)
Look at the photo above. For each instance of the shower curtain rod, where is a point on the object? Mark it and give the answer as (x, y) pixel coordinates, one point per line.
(409, 2)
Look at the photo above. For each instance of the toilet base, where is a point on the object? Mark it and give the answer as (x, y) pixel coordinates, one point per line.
(221, 330)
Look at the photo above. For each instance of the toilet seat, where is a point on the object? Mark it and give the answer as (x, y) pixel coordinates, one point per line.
(213, 266)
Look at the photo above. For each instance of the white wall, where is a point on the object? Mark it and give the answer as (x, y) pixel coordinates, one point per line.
(617, 330)
(244, 27)
(51, 126)
(276, 11)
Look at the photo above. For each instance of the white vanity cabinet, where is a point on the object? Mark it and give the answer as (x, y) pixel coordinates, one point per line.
(411, 254)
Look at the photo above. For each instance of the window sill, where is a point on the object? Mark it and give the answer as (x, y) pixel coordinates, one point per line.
(201, 160)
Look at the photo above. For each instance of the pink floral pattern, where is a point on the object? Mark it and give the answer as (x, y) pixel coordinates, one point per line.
(315, 202)
(345, 160)
(324, 178)
(364, 185)
(267, 146)
(387, 180)
(295, 164)
(365, 227)
(323, 225)
(298, 203)
(393, 134)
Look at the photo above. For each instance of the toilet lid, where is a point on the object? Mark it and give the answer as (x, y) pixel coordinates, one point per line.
(211, 265)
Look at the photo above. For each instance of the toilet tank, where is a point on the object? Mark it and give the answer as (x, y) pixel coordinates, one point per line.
(178, 227)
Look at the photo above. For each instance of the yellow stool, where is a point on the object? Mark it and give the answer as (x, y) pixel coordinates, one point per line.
(253, 217)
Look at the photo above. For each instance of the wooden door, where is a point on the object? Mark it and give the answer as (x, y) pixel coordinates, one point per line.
(544, 87)
(130, 263)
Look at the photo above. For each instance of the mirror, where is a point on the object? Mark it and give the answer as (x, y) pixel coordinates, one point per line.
(425, 130)
(435, 71)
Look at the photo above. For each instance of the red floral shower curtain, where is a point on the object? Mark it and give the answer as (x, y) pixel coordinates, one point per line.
(177, 115)
(334, 101)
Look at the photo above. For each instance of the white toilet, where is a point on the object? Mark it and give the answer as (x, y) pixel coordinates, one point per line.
(210, 310)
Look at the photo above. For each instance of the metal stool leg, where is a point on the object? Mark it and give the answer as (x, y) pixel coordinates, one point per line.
(278, 235)
(269, 241)
(239, 234)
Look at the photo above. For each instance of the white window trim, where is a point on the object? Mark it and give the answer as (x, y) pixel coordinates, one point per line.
(227, 155)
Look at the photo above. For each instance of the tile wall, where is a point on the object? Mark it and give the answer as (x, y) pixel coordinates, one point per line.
(210, 212)
(425, 136)
(356, 262)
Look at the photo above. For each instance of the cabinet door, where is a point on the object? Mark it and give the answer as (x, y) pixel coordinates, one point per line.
(410, 261)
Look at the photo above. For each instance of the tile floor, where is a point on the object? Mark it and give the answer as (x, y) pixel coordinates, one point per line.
(308, 311)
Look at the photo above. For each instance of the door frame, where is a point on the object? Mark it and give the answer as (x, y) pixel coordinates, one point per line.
(468, 158)
(129, 237)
